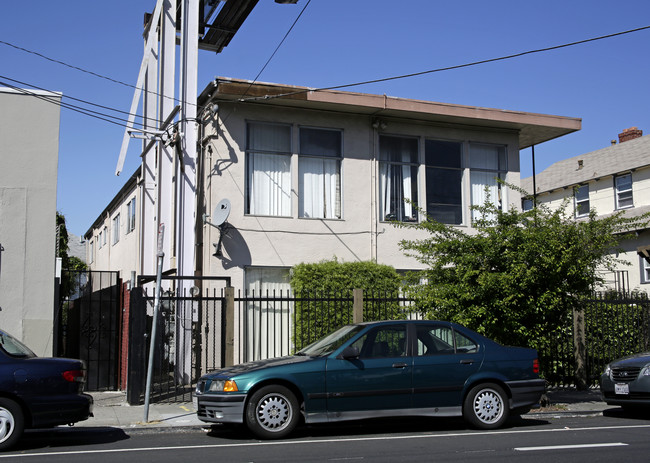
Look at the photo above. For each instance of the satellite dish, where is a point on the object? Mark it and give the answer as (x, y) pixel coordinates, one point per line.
(221, 212)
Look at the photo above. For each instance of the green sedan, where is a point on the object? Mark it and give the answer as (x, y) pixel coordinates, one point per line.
(376, 369)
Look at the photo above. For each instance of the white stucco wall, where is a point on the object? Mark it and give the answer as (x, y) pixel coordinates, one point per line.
(29, 130)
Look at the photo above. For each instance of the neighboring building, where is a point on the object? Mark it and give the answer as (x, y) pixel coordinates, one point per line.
(615, 178)
(29, 129)
(316, 175)
(112, 243)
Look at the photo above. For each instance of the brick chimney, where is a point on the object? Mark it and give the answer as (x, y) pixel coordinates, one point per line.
(629, 134)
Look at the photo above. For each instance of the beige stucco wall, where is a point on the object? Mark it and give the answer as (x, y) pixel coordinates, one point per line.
(358, 235)
(29, 130)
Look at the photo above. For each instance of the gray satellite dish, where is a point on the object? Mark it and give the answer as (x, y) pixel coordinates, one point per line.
(221, 212)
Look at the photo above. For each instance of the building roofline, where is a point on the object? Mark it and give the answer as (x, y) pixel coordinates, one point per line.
(128, 185)
(532, 128)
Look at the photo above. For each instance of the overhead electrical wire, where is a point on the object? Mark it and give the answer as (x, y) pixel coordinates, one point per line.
(450, 68)
(85, 102)
(107, 117)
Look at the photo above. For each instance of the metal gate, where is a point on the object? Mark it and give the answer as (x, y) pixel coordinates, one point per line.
(88, 325)
(189, 340)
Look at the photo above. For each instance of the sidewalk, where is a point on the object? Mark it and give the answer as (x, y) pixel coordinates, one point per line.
(112, 410)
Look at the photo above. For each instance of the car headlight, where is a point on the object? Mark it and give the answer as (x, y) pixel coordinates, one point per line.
(646, 371)
(223, 385)
(608, 371)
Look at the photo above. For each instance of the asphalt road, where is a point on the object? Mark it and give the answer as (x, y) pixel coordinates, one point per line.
(614, 436)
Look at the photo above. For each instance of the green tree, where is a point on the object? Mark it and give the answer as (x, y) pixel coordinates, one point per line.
(516, 277)
(68, 281)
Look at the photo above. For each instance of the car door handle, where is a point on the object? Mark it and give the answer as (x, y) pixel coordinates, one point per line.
(466, 361)
(399, 365)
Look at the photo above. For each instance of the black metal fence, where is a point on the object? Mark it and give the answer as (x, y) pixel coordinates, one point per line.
(608, 326)
(189, 343)
(192, 337)
(87, 325)
(277, 324)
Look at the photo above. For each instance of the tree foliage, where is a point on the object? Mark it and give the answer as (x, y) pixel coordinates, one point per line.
(517, 275)
(68, 281)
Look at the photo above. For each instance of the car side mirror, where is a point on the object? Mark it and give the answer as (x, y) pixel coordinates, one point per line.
(349, 353)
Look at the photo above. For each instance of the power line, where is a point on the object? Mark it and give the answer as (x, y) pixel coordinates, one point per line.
(84, 101)
(92, 73)
(449, 68)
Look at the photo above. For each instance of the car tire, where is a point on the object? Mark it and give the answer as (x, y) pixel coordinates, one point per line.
(486, 406)
(12, 423)
(272, 412)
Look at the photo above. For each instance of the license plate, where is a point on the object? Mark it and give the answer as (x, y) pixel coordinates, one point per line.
(622, 388)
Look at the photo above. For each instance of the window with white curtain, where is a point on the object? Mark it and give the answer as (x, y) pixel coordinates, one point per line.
(265, 322)
(398, 185)
(116, 229)
(624, 196)
(444, 181)
(130, 216)
(645, 269)
(268, 167)
(581, 197)
(319, 169)
(487, 165)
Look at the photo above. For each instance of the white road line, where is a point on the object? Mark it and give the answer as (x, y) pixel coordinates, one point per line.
(322, 441)
(565, 447)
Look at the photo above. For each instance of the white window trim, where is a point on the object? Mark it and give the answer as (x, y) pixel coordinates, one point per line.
(617, 192)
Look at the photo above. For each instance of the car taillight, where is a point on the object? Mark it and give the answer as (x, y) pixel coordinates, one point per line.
(536, 366)
(72, 376)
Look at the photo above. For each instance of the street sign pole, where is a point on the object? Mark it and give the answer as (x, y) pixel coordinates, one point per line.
(154, 324)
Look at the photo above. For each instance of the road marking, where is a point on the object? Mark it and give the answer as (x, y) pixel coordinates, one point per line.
(320, 441)
(565, 447)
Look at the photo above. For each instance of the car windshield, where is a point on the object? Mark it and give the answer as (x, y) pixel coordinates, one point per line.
(331, 342)
(12, 346)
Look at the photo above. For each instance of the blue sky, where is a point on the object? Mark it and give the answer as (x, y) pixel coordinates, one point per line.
(337, 42)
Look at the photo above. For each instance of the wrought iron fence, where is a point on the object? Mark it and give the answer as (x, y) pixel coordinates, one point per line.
(614, 325)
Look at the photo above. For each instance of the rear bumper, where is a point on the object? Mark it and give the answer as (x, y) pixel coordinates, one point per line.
(58, 410)
(526, 394)
(215, 408)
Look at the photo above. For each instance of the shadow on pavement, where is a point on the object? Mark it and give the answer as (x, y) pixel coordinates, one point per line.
(63, 437)
(392, 426)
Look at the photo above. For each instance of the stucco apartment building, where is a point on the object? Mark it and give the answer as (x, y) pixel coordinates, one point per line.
(28, 180)
(313, 175)
(614, 178)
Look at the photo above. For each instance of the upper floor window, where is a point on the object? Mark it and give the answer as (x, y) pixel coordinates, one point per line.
(645, 269)
(91, 252)
(104, 237)
(487, 165)
(623, 191)
(444, 177)
(116, 229)
(268, 169)
(130, 216)
(527, 204)
(100, 239)
(398, 171)
(319, 169)
(581, 198)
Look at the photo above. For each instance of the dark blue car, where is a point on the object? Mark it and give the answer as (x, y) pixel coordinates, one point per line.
(38, 392)
(377, 369)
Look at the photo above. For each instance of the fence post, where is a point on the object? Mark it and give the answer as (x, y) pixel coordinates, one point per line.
(229, 341)
(357, 306)
(579, 348)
